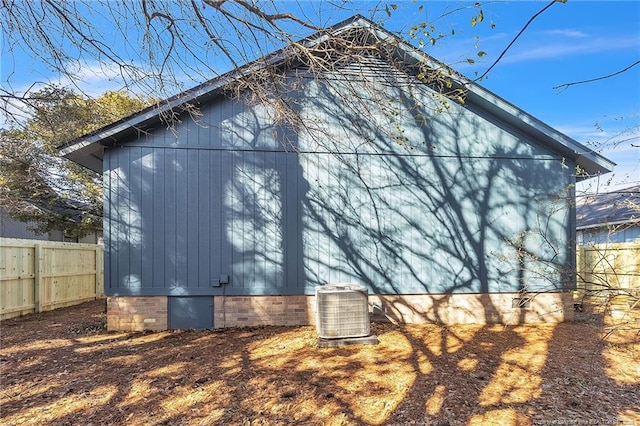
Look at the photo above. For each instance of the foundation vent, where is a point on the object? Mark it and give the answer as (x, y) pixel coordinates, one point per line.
(342, 311)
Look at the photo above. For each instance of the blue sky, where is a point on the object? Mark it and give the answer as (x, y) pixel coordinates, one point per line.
(569, 42)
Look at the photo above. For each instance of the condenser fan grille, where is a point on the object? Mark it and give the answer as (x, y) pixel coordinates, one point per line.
(342, 311)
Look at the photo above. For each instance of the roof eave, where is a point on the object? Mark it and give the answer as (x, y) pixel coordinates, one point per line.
(630, 221)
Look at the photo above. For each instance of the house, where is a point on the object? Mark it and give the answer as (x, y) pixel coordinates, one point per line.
(10, 228)
(612, 217)
(386, 169)
(608, 238)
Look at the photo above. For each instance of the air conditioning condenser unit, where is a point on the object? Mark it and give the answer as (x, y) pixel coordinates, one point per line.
(342, 311)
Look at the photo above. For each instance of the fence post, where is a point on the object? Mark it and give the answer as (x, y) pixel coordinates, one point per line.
(37, 282)
(99, 273)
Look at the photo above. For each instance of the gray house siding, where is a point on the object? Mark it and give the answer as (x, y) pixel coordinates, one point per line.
(408, 202)
(10, 228)
(620, 234)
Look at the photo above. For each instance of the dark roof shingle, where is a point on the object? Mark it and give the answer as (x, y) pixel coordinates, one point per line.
(611, 208)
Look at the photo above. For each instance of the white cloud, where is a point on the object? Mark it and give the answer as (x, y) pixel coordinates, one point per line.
(608, 133)
(551, 49)
(582, 133)
(618, 144)
(566, 33)
(92, 78)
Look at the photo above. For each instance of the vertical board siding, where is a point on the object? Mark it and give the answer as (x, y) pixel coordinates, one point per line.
(147, 213)
(156, 232)
(609, 276)
(202, 218)
(170, 229)
(182, 190)
(446, 204)
(106, 218)
(225, 215)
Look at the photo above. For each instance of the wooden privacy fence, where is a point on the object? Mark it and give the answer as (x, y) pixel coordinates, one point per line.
(44, 275)
(607, 270)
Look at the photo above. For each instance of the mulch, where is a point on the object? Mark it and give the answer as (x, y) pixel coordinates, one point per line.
(63, 368)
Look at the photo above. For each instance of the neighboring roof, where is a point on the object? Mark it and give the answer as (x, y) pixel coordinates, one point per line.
(611, 208)
(88, 150)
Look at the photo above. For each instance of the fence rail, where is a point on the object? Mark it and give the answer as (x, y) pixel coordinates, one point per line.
(44, 275)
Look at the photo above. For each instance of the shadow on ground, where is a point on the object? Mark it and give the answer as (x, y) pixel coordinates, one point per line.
(61, 367)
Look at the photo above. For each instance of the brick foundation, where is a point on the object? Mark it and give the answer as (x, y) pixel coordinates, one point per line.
(136, 313)
(474, 308)
(238, 311)
(128, 313)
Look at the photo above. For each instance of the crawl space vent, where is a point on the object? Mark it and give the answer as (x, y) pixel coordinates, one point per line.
(342, 311)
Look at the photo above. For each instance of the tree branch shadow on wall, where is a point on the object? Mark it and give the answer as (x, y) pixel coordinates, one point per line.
(410, 210)
(375, 184)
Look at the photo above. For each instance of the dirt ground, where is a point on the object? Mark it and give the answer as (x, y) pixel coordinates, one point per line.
(63, 368)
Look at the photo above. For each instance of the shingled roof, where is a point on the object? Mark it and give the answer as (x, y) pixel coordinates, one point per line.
(611, 208)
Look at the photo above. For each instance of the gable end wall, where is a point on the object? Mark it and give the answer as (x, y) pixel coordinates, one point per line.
(233, 205)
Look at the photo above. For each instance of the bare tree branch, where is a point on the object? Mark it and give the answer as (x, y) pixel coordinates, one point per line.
(484, 74)
(591, 80)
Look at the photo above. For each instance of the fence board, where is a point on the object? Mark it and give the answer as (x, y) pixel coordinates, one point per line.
(608, 268)
(44, 275)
